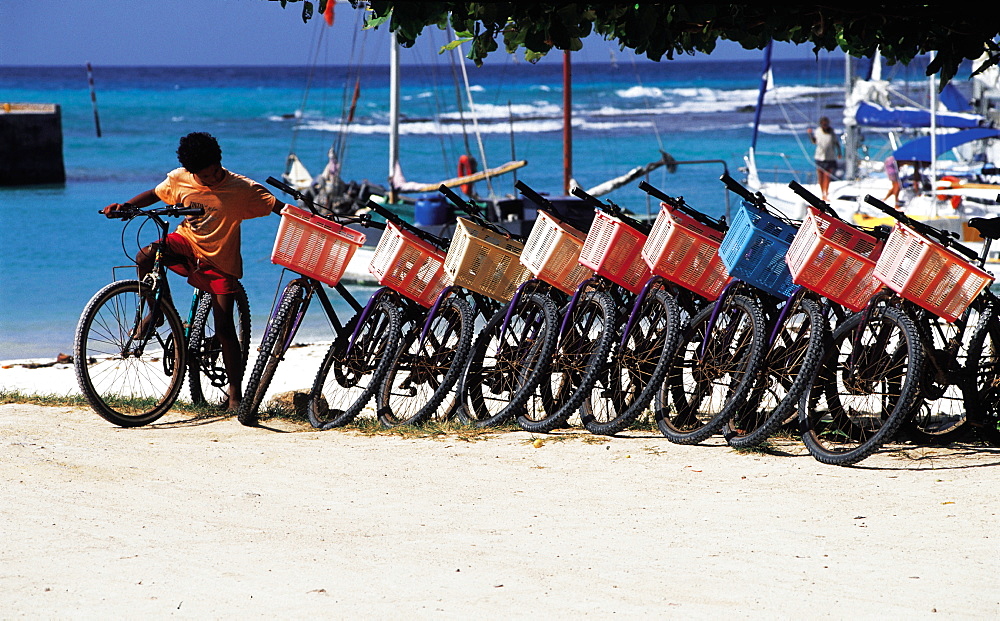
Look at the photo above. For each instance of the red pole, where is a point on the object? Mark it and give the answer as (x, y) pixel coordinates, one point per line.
(567, 123)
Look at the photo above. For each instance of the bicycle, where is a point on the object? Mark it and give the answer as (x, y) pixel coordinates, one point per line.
(131, 349)
(317, 249)
(910, 347)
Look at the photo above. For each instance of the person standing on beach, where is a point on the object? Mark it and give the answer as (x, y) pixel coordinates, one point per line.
(206, 248)
(827, 153)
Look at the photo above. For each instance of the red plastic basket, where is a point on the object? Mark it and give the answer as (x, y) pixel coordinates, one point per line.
(552, 253)
(314, 246)
(686, 252)
(613, 250)
(834, 259)
(928, 274)
(409, 265)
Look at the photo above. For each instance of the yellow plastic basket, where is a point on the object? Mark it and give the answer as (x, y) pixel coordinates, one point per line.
(485, 262)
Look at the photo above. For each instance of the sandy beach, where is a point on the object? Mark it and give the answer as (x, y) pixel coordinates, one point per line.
(208, 519)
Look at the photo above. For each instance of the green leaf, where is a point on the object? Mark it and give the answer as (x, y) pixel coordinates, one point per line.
(307, 11)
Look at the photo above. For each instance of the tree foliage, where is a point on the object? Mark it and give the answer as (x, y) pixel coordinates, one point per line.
(901, 31)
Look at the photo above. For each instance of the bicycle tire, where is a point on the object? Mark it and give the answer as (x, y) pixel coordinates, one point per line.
(982, 389)
(637, 370)
(853, 408)
(788, 368)
(699, 391)
(134, 388)
(207, 375)
(580, 355)
(500, 375)
(423, 374)
(351, 372)
(271, 351)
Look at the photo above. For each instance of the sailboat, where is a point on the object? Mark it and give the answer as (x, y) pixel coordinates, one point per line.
(951, 191)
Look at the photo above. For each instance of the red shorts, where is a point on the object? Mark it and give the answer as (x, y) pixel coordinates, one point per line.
(180, 258)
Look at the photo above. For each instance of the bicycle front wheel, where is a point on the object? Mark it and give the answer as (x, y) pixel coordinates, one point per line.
(866, 386)
(637, 369)
(420, 381)
(787, 371)
(507, 362)
(711, 368)
(580, 356)
(354, 366)
(277, 337)
(206, 370)
(129, 380)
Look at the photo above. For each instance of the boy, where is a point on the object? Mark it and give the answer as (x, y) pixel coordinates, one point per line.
(206, 248)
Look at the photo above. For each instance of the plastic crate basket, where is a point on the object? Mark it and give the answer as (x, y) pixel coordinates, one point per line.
(835, 260)
(314, 246)
(928, 274)
(686, 252)
(485, 262)
(552, 253)
(754, 250)
(612, 249)
(407, 264)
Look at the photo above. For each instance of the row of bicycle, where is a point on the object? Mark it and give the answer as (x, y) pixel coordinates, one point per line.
(735, 327)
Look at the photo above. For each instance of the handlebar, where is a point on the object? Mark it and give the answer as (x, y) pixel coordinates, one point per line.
(737, 188)
(679, 204)
(540, 201)
(944, 237)
(612, 209)
(476, 214)
(814, 200)
(172, 211)
(389, 216)
(363, 220)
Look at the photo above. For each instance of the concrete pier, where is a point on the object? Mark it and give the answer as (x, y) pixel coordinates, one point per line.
(31, 145)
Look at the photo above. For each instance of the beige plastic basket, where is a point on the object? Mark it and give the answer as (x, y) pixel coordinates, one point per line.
(552, 253)
(485, 262)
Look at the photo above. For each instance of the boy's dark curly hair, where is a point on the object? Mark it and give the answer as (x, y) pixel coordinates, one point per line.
(197, 151)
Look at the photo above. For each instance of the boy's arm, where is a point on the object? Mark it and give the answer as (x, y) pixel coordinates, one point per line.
(144, 199)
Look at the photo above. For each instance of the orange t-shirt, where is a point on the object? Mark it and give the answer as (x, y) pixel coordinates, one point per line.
(215, 236)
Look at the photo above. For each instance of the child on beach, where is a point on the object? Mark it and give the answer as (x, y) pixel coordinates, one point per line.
(206, 248)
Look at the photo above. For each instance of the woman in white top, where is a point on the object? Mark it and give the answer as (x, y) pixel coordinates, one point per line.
(827, 153)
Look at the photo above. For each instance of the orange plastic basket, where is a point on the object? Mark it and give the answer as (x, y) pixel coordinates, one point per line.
(613, 249)
(552, 253)
(686, 252)
(314, 246)
(407, 264)
(835, 260)
(928, 274)
(485, 262)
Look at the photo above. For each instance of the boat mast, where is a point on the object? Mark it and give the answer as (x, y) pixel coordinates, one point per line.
(567, 123)
(852, 131)
(393, 115)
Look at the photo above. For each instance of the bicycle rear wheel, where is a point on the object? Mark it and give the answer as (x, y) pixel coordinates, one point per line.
(865, 388)
(637, 369)
(709, 370)
(354, 366)
(277, 336)
(580, 355)
(505, 365)
(787, 370)
(206, 369)
(129, 381)
(420, 380)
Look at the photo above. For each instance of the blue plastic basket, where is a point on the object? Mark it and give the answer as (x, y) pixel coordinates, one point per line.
(754, 250)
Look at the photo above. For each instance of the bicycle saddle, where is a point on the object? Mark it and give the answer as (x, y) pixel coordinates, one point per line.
(987, 227)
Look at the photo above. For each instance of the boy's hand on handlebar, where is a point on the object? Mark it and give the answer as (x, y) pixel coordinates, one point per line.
(117, 210)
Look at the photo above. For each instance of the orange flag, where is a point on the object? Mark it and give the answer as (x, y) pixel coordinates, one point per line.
(328, 12)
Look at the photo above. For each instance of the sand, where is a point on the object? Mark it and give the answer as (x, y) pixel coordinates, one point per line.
(209, 519)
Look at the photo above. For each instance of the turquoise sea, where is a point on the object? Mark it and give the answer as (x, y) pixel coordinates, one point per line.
(56, 250)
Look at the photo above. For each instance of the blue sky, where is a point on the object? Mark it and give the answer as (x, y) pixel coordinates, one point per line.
(214, 32)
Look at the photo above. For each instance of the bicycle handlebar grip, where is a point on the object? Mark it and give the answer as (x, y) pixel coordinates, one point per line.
(655, 193)
(814, 200)
(590, 200)
(284, 187)
(736, 187)
(534, 196)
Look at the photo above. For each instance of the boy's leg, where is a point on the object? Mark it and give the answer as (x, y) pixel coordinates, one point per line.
(232, 356)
